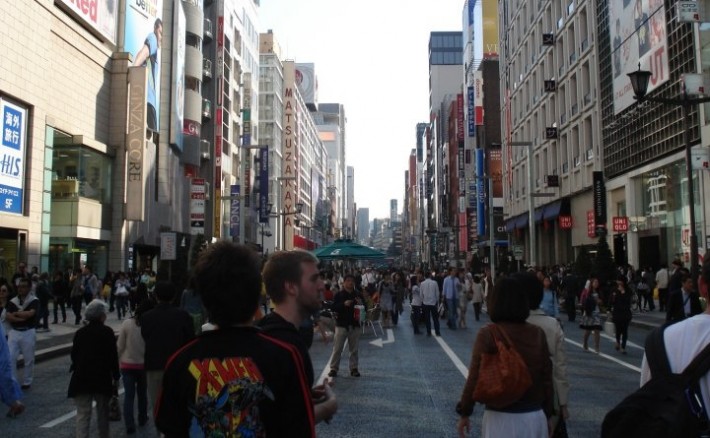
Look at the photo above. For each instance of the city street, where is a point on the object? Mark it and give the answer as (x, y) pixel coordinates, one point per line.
(409, 386)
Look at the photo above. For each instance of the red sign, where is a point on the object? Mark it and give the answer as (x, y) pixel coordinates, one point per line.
(620, 224)
(565, 222)
(591, 224)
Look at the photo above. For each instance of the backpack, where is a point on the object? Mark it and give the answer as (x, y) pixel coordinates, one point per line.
(590, 303)
(668, 405)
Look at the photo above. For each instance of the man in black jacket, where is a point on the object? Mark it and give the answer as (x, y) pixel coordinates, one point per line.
(294, 284)
(347, 325)
(165, 329)
(684, 302)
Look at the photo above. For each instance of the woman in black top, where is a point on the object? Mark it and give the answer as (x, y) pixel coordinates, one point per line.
(621, 312)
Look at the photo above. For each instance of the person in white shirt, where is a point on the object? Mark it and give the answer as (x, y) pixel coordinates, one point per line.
(429, 290)
(450, 294)
(662, 278)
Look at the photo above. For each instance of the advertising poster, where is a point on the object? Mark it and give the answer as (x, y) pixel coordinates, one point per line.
(100, 15)
(177, 115)
(12, 157)
(143, 39)
(637, 31)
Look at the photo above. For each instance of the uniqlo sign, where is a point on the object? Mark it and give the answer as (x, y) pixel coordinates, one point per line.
(620, 224)
(566, 222)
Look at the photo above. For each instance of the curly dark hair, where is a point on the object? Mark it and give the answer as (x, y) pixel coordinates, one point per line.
(228, 278)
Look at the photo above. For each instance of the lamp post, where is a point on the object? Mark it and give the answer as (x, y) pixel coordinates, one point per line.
(298, 210)
(639, 82)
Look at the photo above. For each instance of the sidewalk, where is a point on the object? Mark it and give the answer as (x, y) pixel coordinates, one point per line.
(58, 341)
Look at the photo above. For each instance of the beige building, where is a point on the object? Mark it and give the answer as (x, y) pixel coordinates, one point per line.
(68, 200)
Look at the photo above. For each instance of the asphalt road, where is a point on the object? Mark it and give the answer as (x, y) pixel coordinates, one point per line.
(409, 387)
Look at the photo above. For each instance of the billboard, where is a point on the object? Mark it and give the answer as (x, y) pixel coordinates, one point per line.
(177, 88)
(12, 157)
(637, 31)
(307, 82)
(100, 15)
(143, 37)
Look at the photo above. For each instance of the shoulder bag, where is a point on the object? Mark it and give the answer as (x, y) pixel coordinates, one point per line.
(503, 376)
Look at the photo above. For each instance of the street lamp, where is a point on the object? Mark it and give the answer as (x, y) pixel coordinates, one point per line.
(639, 82)
(298, 210)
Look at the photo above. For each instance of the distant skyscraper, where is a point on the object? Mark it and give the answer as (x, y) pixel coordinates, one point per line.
(363, 225)
(393, 210)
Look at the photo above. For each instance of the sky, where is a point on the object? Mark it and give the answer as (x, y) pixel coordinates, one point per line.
(372, 57)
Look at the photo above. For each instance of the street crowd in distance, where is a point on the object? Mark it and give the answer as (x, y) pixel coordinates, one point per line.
(230, 351)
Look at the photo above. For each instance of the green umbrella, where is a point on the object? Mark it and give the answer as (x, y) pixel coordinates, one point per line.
(347, 249)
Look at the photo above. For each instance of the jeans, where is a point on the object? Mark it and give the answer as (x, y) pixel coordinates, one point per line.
(22, 342)
(135, 384)
(60, 303)
(477, 310)
(451, 303)
(76, 308)
(416, 317)
(430, 313)
(121, 306)
(352, 334)
(83, 414)
(622, 331)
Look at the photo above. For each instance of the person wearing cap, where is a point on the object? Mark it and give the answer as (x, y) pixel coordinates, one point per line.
(95, 371)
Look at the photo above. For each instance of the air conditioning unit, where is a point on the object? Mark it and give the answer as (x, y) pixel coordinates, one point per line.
(550, 85)
(551, 132)
(548, 39)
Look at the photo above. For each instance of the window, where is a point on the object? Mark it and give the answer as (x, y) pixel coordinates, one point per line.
(81, 171)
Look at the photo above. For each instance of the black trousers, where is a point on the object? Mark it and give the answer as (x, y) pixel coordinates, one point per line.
(477, 310)
(622, 331)
(430, 313)
(416, 317)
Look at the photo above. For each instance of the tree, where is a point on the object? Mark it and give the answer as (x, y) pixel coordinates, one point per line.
(604, 262)
(583, 265)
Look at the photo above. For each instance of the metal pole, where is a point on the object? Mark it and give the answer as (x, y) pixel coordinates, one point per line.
(531, 207)
(691, 194)
(491, 228)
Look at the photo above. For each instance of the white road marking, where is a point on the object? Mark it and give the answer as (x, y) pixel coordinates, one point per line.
(379, 342)
(326, 369)
(455, 359)
(606, 356)
(69, 416)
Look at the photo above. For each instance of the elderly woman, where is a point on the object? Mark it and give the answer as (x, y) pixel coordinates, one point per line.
(528, 416)
(94, 370)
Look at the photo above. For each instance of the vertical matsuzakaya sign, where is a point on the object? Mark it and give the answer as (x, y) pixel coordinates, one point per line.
(135, 144)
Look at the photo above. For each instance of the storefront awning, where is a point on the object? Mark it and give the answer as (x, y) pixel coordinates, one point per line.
(552, 210)
(538, 214)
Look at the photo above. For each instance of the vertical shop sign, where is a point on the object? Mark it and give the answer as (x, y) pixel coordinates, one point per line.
(599, 191)
(12, 157)
(264, 184)
(197, 206)
(135, 144)
(234, 207)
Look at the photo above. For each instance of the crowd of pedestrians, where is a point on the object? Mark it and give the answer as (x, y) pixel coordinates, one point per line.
(210, 359)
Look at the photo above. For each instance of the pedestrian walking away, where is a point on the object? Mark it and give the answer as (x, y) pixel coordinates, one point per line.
(95, 371)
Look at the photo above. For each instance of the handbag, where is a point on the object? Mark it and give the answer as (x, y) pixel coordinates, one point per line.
(114, 409)
(442, 310)
(503, 376)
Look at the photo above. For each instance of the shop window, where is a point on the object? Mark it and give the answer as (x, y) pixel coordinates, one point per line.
(79, 171)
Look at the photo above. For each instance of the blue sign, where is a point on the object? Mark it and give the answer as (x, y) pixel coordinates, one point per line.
(12, 155)
(234, 210)
(471, 113)
(481, 201)
(264, 184)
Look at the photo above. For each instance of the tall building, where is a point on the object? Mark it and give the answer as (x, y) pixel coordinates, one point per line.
(549, 71)
(647, 208)
(445, 83)
(350, 202)
(363, 226)
(394, 212)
